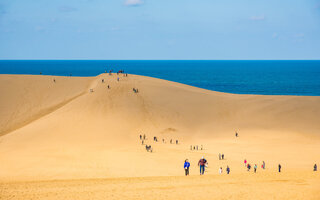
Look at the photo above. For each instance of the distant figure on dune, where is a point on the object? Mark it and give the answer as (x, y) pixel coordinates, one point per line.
(219, 156)
(118, 79)
(140, 137)
(249, 167)
(202, 163)
(176, 141)
(144, 136)
(255, 168)
(194, 147)
(315, 167)
(263, 165)
(237, 134)
(149, 148)
(228, 169)
(279, 167)
(191, 147)
(142, 142)
(163, 140)
(108, 86)
(220, 170)
(201, 147)
(222, 156)
(102, 81)
(155, 139)
(54, 80)
(186, 167)
(197, 147)
(245, 162)
(171, 141)
(91, 90)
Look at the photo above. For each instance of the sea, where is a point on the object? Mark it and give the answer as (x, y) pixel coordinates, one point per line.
(265, 77)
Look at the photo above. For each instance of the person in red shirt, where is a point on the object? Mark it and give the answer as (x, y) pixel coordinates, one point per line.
(202, 163)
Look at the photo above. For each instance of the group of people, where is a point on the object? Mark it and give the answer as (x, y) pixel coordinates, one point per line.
(143, 138)
(135, 90)
(255, 167)
(203, 163)
(196, 147)
(221, 156)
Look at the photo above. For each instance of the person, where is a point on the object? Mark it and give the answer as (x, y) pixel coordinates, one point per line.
(220, 170)
(219, 156)
(228, 169)
(315, 167)
(201, 147)
(140, 137)
(245, 162)
(202, 163)
(236, 134)
(222, 156)
(263, 165)
(191, 147)
(255, 168)
(176, 141)
(144, 136)
(249, 167)
(186, 167)
(118, 78)
(108, 86)
(279, 167)
(197, 147)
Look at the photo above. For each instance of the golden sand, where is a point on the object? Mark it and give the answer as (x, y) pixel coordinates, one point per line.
(61, 141)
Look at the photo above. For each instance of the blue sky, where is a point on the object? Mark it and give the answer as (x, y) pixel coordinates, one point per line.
(160, 29)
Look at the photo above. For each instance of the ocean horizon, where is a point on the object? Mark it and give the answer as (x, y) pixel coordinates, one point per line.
(264, 77)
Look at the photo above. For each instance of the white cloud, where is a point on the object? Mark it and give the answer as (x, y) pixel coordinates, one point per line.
(133, 2)
(258, 18)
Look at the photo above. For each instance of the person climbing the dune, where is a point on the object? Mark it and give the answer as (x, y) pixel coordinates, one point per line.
(279, 167)
(245, 162)
(228, 169)
(186, 167)
(315, 167)
(255, 168)
(202, 163)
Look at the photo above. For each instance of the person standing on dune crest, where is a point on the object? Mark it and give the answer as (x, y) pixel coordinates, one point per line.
(202, 163)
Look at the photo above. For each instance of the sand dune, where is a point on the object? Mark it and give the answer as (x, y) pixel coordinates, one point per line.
(62, 131)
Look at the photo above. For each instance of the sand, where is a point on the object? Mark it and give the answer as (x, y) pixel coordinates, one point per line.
(61, 141)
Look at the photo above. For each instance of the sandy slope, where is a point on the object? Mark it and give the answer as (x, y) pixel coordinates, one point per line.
(61, 130)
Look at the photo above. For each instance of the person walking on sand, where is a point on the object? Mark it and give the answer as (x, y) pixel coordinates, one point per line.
(279, 167)
(228, 169)
(202, 163)
(219, 156)
(263, 165)
(249, 167)
(255, 168)
(220, 170)
(245, 162)
(186, 167)
(315, 167)
(222, 156)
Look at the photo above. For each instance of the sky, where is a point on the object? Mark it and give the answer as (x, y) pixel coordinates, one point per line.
(160, 29)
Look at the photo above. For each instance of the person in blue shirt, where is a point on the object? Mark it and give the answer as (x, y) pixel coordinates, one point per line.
(186, 166)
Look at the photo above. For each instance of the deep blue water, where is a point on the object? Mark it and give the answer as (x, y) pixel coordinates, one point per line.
(240, 77)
